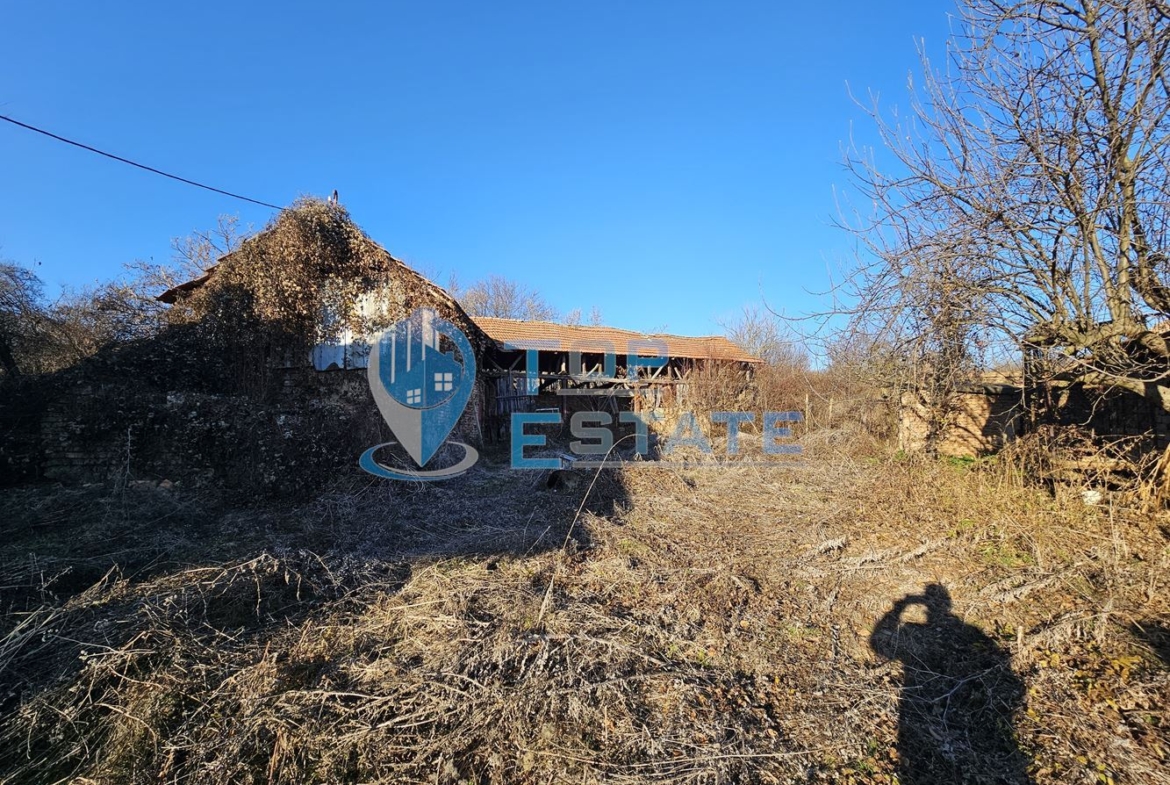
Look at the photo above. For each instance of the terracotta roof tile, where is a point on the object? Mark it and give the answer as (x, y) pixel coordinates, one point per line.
(566, 336)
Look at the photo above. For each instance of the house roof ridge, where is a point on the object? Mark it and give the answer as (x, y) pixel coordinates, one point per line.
(513, 319)
(503, 330)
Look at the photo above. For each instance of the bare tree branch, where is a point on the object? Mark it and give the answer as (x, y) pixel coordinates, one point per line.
(1027, 199)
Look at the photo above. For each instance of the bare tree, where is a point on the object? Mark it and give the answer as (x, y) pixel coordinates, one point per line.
(135, 295)
(1025, 205)
(506, 299)
(573, 317)
(782, 381)
(21, 316)
(40, 337)
(759, 333)
(197, 252)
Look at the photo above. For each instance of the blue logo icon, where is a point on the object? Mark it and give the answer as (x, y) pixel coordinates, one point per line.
(421, 390)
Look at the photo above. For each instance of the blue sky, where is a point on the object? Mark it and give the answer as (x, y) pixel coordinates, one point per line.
(667, 162)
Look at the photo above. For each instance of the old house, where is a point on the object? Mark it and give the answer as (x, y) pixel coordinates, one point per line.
(244, 386)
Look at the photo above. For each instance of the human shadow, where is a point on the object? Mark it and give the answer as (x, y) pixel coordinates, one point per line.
(958, 699)
(1155, 634)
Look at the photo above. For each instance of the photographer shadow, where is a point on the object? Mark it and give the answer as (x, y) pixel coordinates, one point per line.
(958, 699)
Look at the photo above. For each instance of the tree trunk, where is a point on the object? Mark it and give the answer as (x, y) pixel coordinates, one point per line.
(6, 358)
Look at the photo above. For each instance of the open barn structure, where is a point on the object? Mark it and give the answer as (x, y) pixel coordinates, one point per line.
(547, 366)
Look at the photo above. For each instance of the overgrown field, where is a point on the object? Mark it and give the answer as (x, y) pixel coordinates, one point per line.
(703, 625)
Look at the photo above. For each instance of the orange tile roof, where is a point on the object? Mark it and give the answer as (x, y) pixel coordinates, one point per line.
(568, 336)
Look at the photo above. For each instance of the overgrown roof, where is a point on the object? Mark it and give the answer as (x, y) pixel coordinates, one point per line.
(312, 259)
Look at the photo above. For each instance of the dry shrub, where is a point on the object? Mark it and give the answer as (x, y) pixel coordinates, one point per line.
(727, 387)
(715, 387)
(711, 624)
(782, 388)
(1124, 470)
(839, 409)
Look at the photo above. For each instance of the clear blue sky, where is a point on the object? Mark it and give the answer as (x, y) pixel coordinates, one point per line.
(665, 161)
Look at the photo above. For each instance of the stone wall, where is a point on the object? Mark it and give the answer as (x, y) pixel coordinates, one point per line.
(979, 424)
(982, 422)
(308, 433)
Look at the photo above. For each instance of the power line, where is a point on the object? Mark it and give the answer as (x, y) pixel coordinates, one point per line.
(135, 163)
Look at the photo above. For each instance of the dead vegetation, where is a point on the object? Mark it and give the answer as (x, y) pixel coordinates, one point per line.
(709, 624)
(857, 617)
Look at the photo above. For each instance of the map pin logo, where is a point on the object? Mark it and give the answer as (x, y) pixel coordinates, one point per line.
(421, 390)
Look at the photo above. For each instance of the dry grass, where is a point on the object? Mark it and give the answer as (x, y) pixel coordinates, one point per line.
(699, 625)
